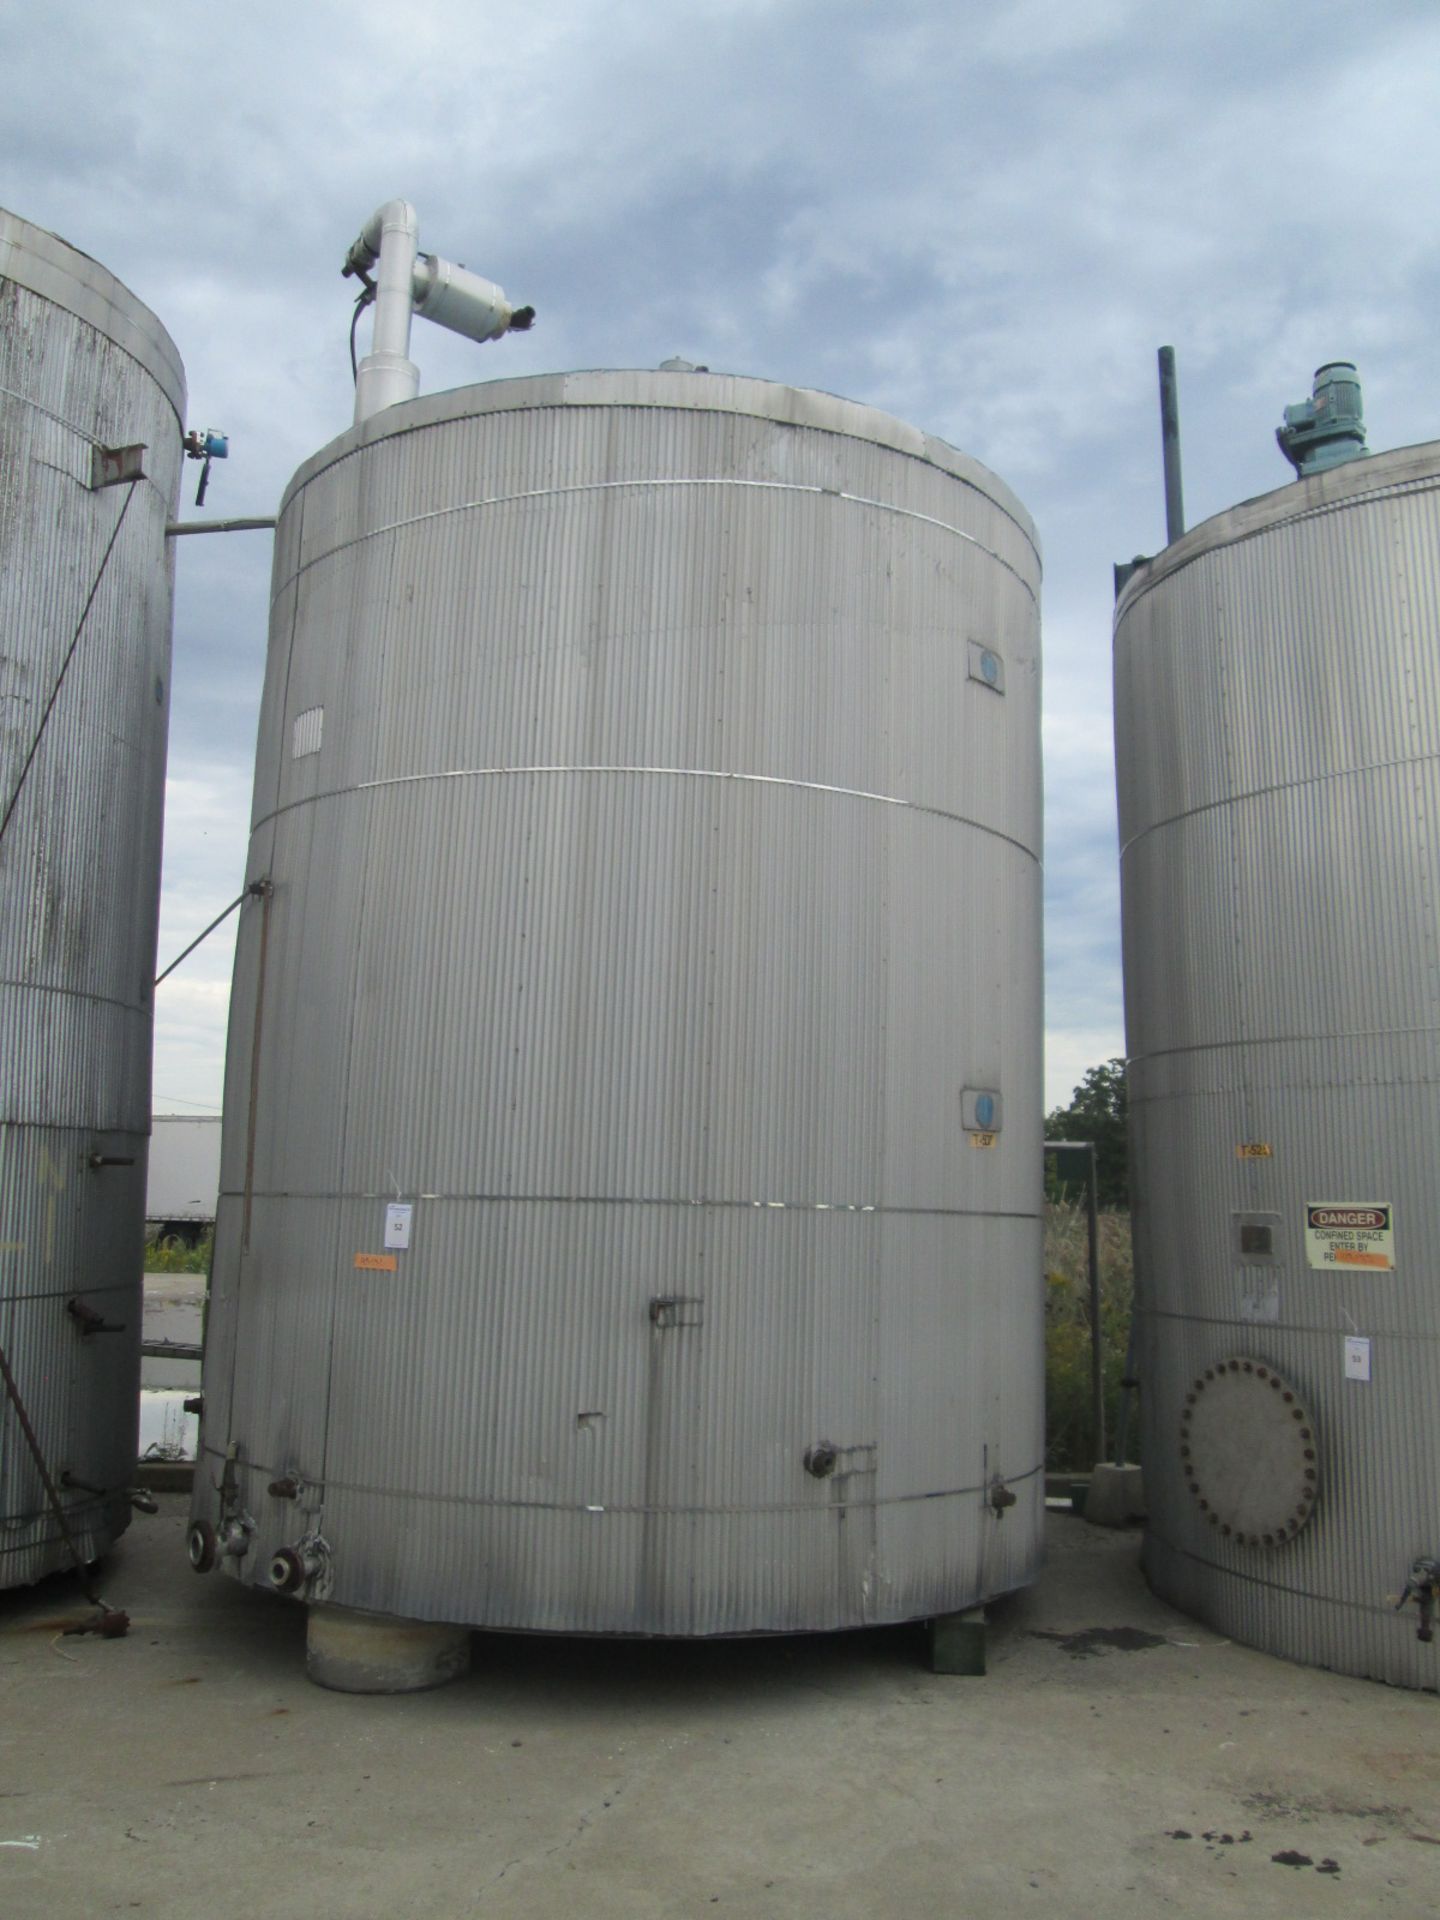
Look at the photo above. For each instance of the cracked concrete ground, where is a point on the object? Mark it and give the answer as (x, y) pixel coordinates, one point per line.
(1117, 1759)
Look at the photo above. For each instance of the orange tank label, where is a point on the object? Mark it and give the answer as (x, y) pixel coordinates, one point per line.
(377, 1262)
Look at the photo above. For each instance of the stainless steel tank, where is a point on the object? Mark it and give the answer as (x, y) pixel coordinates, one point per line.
(1277, 690)
(86, 372)
(630, 1214)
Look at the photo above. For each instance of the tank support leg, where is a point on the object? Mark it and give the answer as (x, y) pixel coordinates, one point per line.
(957, 1642)
(356, 1652)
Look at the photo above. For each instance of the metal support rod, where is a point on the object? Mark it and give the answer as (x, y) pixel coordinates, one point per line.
(1097, 1350)
(202, 936)
(87, 1585)
(1170, 445)
(1092, 1237)
(1127, 1389)
(177, 527)
(266, 892)
(65, 663)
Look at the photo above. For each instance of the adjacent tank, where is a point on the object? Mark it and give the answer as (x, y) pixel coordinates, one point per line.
(630, 1215)
(85, 372)
(1277, 713)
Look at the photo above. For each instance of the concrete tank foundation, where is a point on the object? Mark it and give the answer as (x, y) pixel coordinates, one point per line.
(354, 1652)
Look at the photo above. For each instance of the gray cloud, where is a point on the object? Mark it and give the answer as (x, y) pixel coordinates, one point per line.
(983, 217)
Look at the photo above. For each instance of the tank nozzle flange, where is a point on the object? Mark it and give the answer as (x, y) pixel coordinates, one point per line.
(1423, 1587)
(202, 1546)
(293, 1568)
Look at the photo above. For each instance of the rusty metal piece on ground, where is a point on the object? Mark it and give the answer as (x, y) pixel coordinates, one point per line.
(110, 1623)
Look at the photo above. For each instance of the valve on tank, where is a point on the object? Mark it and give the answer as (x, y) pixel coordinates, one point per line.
(1423, 1587)
(1329, 428)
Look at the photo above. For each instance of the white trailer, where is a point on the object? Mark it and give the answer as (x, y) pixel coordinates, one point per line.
(184, 1178)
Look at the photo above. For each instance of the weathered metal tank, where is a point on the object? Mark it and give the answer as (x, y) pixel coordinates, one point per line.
(92, 394)
(1277, 686)
(630, 1215)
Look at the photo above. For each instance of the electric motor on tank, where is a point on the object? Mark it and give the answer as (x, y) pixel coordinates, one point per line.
(1278, 740)
(630, 1214)
(92, 399)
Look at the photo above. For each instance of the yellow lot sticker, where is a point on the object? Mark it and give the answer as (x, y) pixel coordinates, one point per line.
(1254, 1150)
(982, 1139)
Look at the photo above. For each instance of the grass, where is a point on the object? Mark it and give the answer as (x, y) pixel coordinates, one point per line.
(194, 1259)
(1069, 1417)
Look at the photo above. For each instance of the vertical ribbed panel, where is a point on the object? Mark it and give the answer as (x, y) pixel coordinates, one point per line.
(1277, 680)
(661, 879)
(82, 364)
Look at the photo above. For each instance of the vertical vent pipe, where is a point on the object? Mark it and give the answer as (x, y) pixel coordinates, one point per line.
(1170, 446)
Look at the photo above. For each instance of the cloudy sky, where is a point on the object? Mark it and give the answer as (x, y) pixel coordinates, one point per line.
(983, 218)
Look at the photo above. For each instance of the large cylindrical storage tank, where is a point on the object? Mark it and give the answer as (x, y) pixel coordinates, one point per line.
(1277, 712)
(85, 608)
(630, 1214)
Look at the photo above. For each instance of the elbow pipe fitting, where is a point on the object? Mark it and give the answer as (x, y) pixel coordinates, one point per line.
(394, 215)
(408, 282)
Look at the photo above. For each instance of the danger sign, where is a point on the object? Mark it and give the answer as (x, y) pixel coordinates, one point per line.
(1349, 1233)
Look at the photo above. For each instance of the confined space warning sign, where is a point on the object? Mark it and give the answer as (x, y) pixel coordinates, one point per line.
(1349, 1233)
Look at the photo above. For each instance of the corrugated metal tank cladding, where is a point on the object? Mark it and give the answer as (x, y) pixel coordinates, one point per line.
(1277, 688)
(82, 364)
(649, 788)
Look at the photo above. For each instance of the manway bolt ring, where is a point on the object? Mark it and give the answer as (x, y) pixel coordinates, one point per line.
(1222, 1400)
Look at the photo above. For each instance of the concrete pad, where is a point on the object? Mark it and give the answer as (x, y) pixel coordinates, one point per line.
(1116, 1760)
(1116, 1496)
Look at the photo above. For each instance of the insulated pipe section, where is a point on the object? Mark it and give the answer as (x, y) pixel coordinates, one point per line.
(410, 282)
(387, 374)
(455, 298)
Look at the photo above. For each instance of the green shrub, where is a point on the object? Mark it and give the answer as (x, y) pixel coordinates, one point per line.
(194, 1259)
(1069, 1416)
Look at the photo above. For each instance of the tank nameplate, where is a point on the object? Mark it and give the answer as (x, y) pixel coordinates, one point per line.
(1357, 1356)
(377, 1262)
